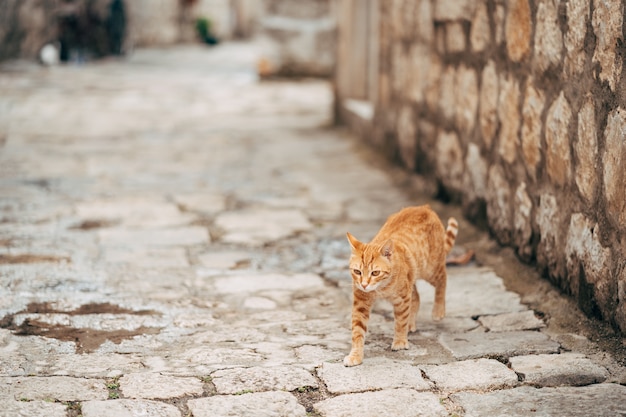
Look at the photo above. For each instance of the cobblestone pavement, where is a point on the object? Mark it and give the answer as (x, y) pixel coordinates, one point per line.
(172, 243)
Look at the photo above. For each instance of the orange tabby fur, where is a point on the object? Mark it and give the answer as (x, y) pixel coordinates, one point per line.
(411, 245)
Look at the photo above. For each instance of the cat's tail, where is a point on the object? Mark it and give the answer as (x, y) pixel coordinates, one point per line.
(451, 232)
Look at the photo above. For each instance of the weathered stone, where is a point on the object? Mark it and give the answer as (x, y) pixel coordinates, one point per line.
(128, 408)
(498, 204)
(254, 283)
(190, 235)
(447, 95)
(256, 227)
(607, 25)
(477, 345)
(534, 102)
(567, 368)
(577, 12)
(424, 21)
(281, 378)
(476, 167)
(614, 164)
(488, 109)
(548, 36)
(223, 260)
(133, 212)
(396, 402)
(455, 37)
(547, 218)
(467, 100)
(480, 31)
(143, 257)
(450, 160)
(420, 64)
(522, 222)
(209, 203)
(564, 401)
(509, 116)
(433, 86)
(586, 151)
(11, 408)
(558, 163)
(507, 322)
(373, 374)
(59, 388)
(262, 404)
(620, 315)
(150, 385)
(518, 29)
(450, 10)
(499, 18)
(473, 374)
(407, 137)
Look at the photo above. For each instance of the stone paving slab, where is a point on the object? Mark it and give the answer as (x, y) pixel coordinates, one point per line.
(154, 386)
(255, 379)
(59, 388)
(390, 402)
(558, 370)
(374, 374)
(261, 404)
(12, 408)
(593, 400)
(189, 235)
(473, 374)
(507, 322)
(128, 408)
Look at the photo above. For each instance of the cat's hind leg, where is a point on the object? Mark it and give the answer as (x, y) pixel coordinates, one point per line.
(439, 282)
(415, 306)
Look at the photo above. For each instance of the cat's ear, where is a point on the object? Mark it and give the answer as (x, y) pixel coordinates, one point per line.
(356, 245)
(387, 249)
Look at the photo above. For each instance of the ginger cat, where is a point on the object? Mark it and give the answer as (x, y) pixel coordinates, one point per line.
(411, 245)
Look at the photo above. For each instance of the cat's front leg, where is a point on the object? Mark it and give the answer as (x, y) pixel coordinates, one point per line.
(402, 313)
(361, 306)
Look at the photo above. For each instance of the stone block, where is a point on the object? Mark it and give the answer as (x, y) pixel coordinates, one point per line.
(467, 101)
(150, 385)
(480, 30)
(577, 12)
(450, 160)
(522, 222)
(373, 374)
(534, 101)
(476, 167)
(255, 283)
(547, 217)
(499, 19)
(261, 404)
(397, 402)
(128, 408)
(455, 37)
(505, 344)
(593, 400)
(407, 137)
(421, 59)
(518, 29)
(586, 151)
(508, 322)
(447, 94)
(189, 235)
(558, 160)
(453, 10)
(607, 22)
(614, 165)
(57, 388)
(488, 107)
(207, 203)
(133, 212)
(424, 21)
(12, 408)
(499, 211)
(473, 374)
(548, 36)
(509, 116)
(568, 368)
(279, 378)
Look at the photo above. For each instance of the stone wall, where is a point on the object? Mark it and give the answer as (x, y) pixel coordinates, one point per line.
(517, 109)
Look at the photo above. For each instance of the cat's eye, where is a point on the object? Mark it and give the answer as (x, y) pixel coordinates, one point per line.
(375, 273)
(356, 272)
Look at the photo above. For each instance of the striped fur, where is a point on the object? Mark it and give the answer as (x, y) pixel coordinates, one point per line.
(411, 245)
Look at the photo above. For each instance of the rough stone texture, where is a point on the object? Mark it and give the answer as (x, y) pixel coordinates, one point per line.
(455, 37)
(398, 402)
(508, 114)
(523, 320)
(498, 208)
(128, 408)
(577, 18)
(568, 368)
(548, 36)
(476, 374)
(12, 408)
(467, 100)
(566, 401)
(480, 35)
(518, 29)
(450, 159)
(59, 388)
(155, 386)
(475, 345)
(453, 10)
(262, 404)
(256, 379)
(257, 227)
(586, 151)
(534, 102)
(488, 103)
(477, 169)
(614, 165)
(522, 222)
(373, 374)
(407, 138)
(558, 161)
(607, 19)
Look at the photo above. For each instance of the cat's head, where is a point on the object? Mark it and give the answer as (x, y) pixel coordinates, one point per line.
(370, 265)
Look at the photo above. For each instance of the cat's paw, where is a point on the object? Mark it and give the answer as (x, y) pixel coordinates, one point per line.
(439, 312)
(352, 360)
(399, 345)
